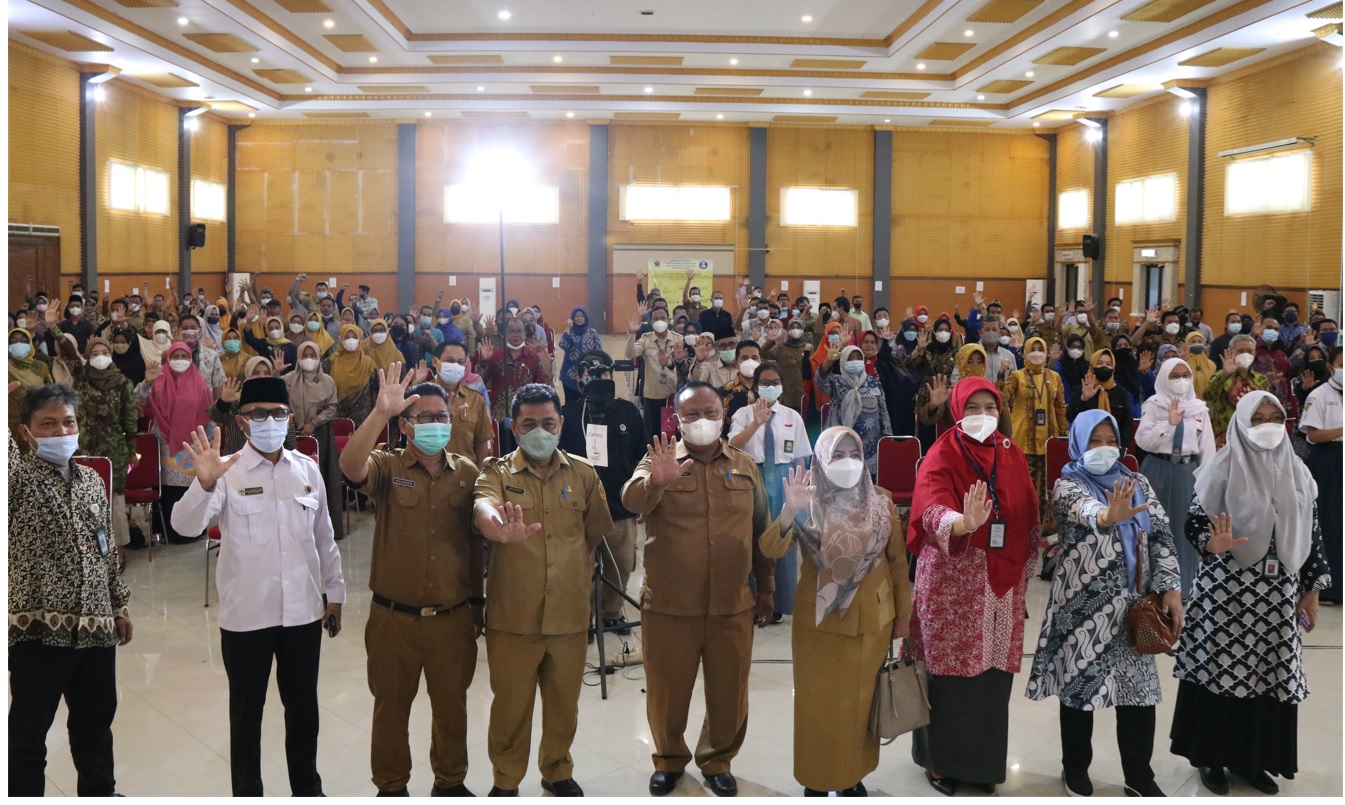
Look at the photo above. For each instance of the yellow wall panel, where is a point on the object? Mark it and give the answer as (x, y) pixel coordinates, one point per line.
(138, 127)
(318, 198)
(1074, 171)
(811, 156)
(1294, 96)
(552, 154)
(968, 205)
(1147, 139)
(44, 146)
(210, 161)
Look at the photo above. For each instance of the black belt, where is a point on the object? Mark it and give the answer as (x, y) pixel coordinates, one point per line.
(1187, 459)
(419, 612)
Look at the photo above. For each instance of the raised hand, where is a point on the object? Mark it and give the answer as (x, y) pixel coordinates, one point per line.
(691, 273)
(152, 371)
(1310, 338)
(705, 350)
(535, 343)
(1230, 363)
(638, 318)
(1221, 535)
(799, 492)
(278, 362)
(663, 466)
(253, 312)
(761, 411)
(512, 528)
(392, 399)
(1146, 362)
(1175, 413)
(233, 388)
(976, 507)
(420, 374)
(205, 457)
(938, 390)
(486, 348)
(978, 298)
(1090, 386)
(922, 339)
(1118, 502)
(1055, 353)
(1151, 315)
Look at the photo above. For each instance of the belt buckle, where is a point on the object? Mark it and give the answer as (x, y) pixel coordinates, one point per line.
(428, 612)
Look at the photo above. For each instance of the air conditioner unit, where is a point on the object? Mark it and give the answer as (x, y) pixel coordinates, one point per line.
(35, 229)
(1328, 301)
(1277, 145)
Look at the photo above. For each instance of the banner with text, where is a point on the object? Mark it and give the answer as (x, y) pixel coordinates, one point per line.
(670, 277)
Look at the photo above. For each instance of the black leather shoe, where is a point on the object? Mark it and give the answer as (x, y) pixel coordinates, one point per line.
(1214, 780)
(722, 784)
(662, 783)
(496, 791)
(1261, 781)
(563, 788)
(458, 790)
(617, 625)
(856, 790)
(985, 788)
(1149, 789)
(944, 785)
(813, 792)
(1077, 783)
(401, 792)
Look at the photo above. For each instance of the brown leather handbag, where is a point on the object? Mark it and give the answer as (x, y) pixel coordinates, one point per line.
(1149, 631)
(900, 696)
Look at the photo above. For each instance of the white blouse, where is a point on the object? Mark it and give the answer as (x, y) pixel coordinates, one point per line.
(1155, 434)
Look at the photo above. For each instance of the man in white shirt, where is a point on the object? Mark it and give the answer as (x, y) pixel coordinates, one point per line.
(999, 361)
(279, 579)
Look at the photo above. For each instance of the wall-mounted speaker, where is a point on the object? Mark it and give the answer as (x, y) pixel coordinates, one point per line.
(195, 236)
(1092, 245)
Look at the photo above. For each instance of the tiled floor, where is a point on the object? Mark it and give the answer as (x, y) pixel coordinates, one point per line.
(172, 724)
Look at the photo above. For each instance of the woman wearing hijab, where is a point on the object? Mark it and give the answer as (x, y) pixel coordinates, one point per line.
(900, 375)
(974, 531)
(833, 338)
(792, 351)
(938, 359)
(351, 366)
(578, 340)
(276, 347)
(1176, 434)
(231, 357)
(223, 412)
(1015, 334)
(108, 422)
(27, 371)
(126, 355)
(1116, 539)
(1127, 374)
(1321, 425)
(1099, 390)
(380, 346)
(212, 332)
(1072, 365)
(1198, 360)
(857, 400)
(313, 401)
(933, 404)
(152, 349)
(1254, 520)
(854, 573)
(315, 332)
(1036, 398)
(177, 399)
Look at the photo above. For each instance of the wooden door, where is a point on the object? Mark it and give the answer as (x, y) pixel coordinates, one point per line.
(34, 264)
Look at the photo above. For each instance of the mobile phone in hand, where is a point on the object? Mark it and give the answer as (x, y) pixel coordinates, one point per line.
(330, 623)
(1304, 621)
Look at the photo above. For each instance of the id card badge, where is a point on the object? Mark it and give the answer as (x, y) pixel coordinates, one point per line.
(101, 535)
(1041, 417)
(1272, 567)
(997, 534)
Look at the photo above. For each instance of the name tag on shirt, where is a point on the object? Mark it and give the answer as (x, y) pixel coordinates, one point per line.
(1272, 567)
(789, 446)
(406, 482)
(997, 534)
(101, 535)
(514, 489)
(251, 490)
(595, 438)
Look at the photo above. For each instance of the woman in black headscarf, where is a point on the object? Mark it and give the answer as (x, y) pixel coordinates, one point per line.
(1073, 364)
(126, 354)
(1128, 375)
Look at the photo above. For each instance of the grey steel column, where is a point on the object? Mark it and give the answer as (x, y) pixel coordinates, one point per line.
(231, 197)
(1052, 213)
(88, 184)
(1100, 212)
(183, 203)
(882, 219)
(756, 207)
(597, 226)
(406, 216)
(1195, 194)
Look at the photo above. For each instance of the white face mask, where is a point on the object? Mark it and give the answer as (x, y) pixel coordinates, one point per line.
(1036, 358)
(1335, 377)
(845, 472)
(880, 323)
(1075, 353)
(161, 338)
(514, 344)
(1244, 361)
(695, 297)
(770, 393)
(1100, 459)
(1267, 436)
(351, 344)
(379, 336)
(179, 366)
(763, 314)
(690, 339)
(660, 326)
(296, 327)
(835, 315)
(275, 334)
(1235, 327)
(57, 449)
(943, 336)
(75, 311)
(22, 324)
(922, 318)
(1013, 328)
(1180, 386)
(979, 426)
(1172, 328)
(1003, 340)
(309, 364)
(268, 435)
(100, 361)
(717, 303)
(1050, 316)
(748, 367)
(853, 367)
(702, 431)
(796, 333)
(1081, 318)
(451, 373)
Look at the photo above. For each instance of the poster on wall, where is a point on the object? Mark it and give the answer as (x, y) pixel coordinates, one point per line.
(813, 290)
(669, 276)
(486, 296)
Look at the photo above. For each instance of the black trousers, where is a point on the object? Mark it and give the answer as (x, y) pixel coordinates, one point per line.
(163, 511)
(1134, 737)
(38, 677)
(653, 415)
(247, 661)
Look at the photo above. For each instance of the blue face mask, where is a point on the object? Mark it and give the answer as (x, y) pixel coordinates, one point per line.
(232, 346)
(1291, 316)
(425, 321)
(1330, 337)
(539, 444)
(770, 393)
(909, 335)
(853, 367)
(1100, 459)
(1270, 336)
(314, 326)
(432, 437)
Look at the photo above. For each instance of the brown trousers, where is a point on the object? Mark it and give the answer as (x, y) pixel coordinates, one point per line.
(519, 666)
(402, 647)
(618, 562)
(675, 647)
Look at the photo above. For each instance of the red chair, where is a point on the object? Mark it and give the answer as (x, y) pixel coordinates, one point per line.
(897, 459)
(1057, 456)
(211, 544)
(308, 445)
(825, 415)
(103, 466)
(143, 487)
(342, 430)
(1128, 461)
(495, 440)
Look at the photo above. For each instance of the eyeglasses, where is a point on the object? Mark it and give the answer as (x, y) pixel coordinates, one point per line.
(262, 414)
(426, 419)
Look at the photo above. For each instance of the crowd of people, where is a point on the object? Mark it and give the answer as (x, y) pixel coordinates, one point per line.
(749, 453)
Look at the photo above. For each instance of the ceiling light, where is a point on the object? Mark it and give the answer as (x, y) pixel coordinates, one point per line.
(807, 17)
(557, 59)
(569, 114)
(256, 60)
(329, 23)
(504, 15)
(308, 89)
(648, 90)
(1093, 135)
(733, 61)
(1035, 124)
(887, 120)
(980, 97)
(99, 94)
(968, 32)
(480, 89)
(1113, 34)
(373, 59)
(1029, 74)
(427, 114)
(807, 92)
(719, 117)
(182, 20)
(920, 66)
(252, 114)
(1186, 108)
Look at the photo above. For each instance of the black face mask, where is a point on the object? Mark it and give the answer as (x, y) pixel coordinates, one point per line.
(600, 390)
(398, 331)
(1123, 352)
(1102, 373)
(455, 310)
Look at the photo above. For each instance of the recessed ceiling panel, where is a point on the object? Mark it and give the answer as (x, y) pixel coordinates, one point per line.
(1125, 91)
(304, 6)
(1331, 12)
(1003, 86)
(1220, 57)
(646, 61)
(231, 106)
(148, 3)
(1165, 10)
(68, 41)
(165, 80)
(1004, 11)
(283, 76)
(223, 43)
(468, 58)
(563, 89)
(351, 43)
(889, 95)
(742, 92)
(1068, 55)
(1055, 114)
(828, 64)
(944, 51)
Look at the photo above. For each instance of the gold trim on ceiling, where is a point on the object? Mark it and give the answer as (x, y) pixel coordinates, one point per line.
(828, 64)
(231, 106)
(1125, 91)
(563, 89)
(944, 51)
(222, 43)
(164, 80)
(283, 76)
(1003, 86)
(148, 3)
(646, 115)
(1331, 12)
(692, 72)
(1165, 10)
(980, 124)
(1068, 56)
(304, 6)
(737, 91)
(525, 98)
(888, 95)
(69, 41)
(1030, 31)
(804, 119)
(488, 114)
(351, 43)
(646, 61)
(1004, 11)
(467, 58)
(392, 89)
(1327, 30)
(334, 115)
(289, 36)
(1055, 114)
(1220, 57)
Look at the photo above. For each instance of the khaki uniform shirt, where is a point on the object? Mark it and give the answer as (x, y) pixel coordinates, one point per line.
(471, 421)
(543, 584)
(704, 534)
(659, 380)
(423, 535)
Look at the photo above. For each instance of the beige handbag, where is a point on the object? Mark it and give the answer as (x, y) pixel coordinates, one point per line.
(900, 697)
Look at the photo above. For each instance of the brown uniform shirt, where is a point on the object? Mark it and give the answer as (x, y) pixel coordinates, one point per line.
(471, 421)
(423, 533)
(704, 535)
(543, 584)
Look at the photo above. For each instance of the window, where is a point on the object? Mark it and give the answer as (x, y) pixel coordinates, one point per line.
(665, 202)
(207, 200)
(1273, 184)
(1147, 201)
(137, 189)
(1072, 210)
(819, 206)
(482, 204)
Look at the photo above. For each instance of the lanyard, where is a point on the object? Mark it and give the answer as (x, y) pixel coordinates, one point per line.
(994, 468)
